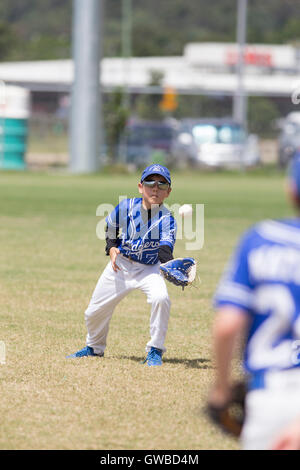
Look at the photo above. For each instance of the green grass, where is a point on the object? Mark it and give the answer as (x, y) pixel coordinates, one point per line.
(48, 144)
(50, 262)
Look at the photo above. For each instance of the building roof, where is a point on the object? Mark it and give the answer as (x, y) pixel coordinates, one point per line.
(188, 74)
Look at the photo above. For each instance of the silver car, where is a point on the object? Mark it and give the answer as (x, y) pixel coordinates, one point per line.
(215, 143)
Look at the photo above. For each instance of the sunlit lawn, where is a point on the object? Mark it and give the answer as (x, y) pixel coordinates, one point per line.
(50, 261)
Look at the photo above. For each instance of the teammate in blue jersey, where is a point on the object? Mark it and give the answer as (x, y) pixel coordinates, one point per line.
(259, 296)
(140, 235)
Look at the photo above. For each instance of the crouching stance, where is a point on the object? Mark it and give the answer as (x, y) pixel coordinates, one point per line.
(140, 235)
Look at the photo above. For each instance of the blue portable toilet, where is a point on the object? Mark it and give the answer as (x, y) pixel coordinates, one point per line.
(14, 114)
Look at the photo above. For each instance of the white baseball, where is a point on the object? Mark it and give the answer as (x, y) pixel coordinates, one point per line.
(186, 210)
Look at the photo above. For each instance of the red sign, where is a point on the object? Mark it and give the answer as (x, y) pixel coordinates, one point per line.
(251, 57)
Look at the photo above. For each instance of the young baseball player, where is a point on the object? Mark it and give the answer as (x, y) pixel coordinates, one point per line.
(140, 235)
(259, 295)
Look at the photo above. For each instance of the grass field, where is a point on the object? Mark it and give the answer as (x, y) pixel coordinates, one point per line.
(50, 262)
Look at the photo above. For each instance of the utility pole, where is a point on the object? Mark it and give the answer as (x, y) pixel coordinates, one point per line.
(126, 47)
(85, 120)
(240, 97)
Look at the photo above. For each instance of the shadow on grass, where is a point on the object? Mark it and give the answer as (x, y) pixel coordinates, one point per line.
(190, 363)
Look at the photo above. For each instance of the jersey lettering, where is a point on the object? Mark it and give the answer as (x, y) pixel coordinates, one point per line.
(140, 237)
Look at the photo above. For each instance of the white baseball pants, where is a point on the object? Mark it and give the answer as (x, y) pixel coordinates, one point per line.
(112, 287)
(270, 410)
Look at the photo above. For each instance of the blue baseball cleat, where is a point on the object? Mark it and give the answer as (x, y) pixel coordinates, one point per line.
(154, 357)
(86, 351)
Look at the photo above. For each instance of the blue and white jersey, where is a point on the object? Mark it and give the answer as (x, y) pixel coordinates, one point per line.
(140, 236)
(263, 280)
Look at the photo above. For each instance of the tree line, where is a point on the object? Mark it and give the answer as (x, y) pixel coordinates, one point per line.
(42, 29)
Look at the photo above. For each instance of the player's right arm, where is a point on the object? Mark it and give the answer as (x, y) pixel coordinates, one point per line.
(111, 248)
(113, 253)
(232, 303)
(112, 233)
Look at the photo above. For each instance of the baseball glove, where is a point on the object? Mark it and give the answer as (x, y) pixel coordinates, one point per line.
(230, 417)
(179, 271)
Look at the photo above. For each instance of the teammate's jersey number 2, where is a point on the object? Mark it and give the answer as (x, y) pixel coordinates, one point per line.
(266, 348)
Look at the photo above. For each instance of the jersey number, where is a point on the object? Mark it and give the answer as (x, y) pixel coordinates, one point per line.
(151, 259)
(266, 348)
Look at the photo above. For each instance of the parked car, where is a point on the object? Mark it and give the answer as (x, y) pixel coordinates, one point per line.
(144, 139)
(289, 138)
(215, 143)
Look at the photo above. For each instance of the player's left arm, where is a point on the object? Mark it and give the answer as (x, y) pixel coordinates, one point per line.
(167, 237)
(165, 253)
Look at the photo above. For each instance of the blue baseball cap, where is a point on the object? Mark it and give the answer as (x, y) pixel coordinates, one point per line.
(156, 169)
(294, 172)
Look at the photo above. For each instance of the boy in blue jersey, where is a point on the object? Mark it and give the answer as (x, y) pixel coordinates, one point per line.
(140, 235)
(259, 295)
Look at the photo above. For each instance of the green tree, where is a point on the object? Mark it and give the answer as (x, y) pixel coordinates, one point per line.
(115, 118)
(262, 112)
(201, 106)
(147, 106)
(158, 28)
(8, 41)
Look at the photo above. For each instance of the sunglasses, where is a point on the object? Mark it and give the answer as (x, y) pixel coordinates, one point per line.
(152, 183)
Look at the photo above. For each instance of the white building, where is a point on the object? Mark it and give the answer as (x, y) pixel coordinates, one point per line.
(204, 68)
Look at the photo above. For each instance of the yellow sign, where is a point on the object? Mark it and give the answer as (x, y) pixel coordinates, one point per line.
(169, 100)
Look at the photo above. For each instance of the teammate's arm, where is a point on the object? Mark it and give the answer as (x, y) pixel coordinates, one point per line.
(230, 323)
(289, 438)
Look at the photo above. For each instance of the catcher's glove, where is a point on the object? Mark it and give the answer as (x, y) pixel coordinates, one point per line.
(179, 271)
(230, 417)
